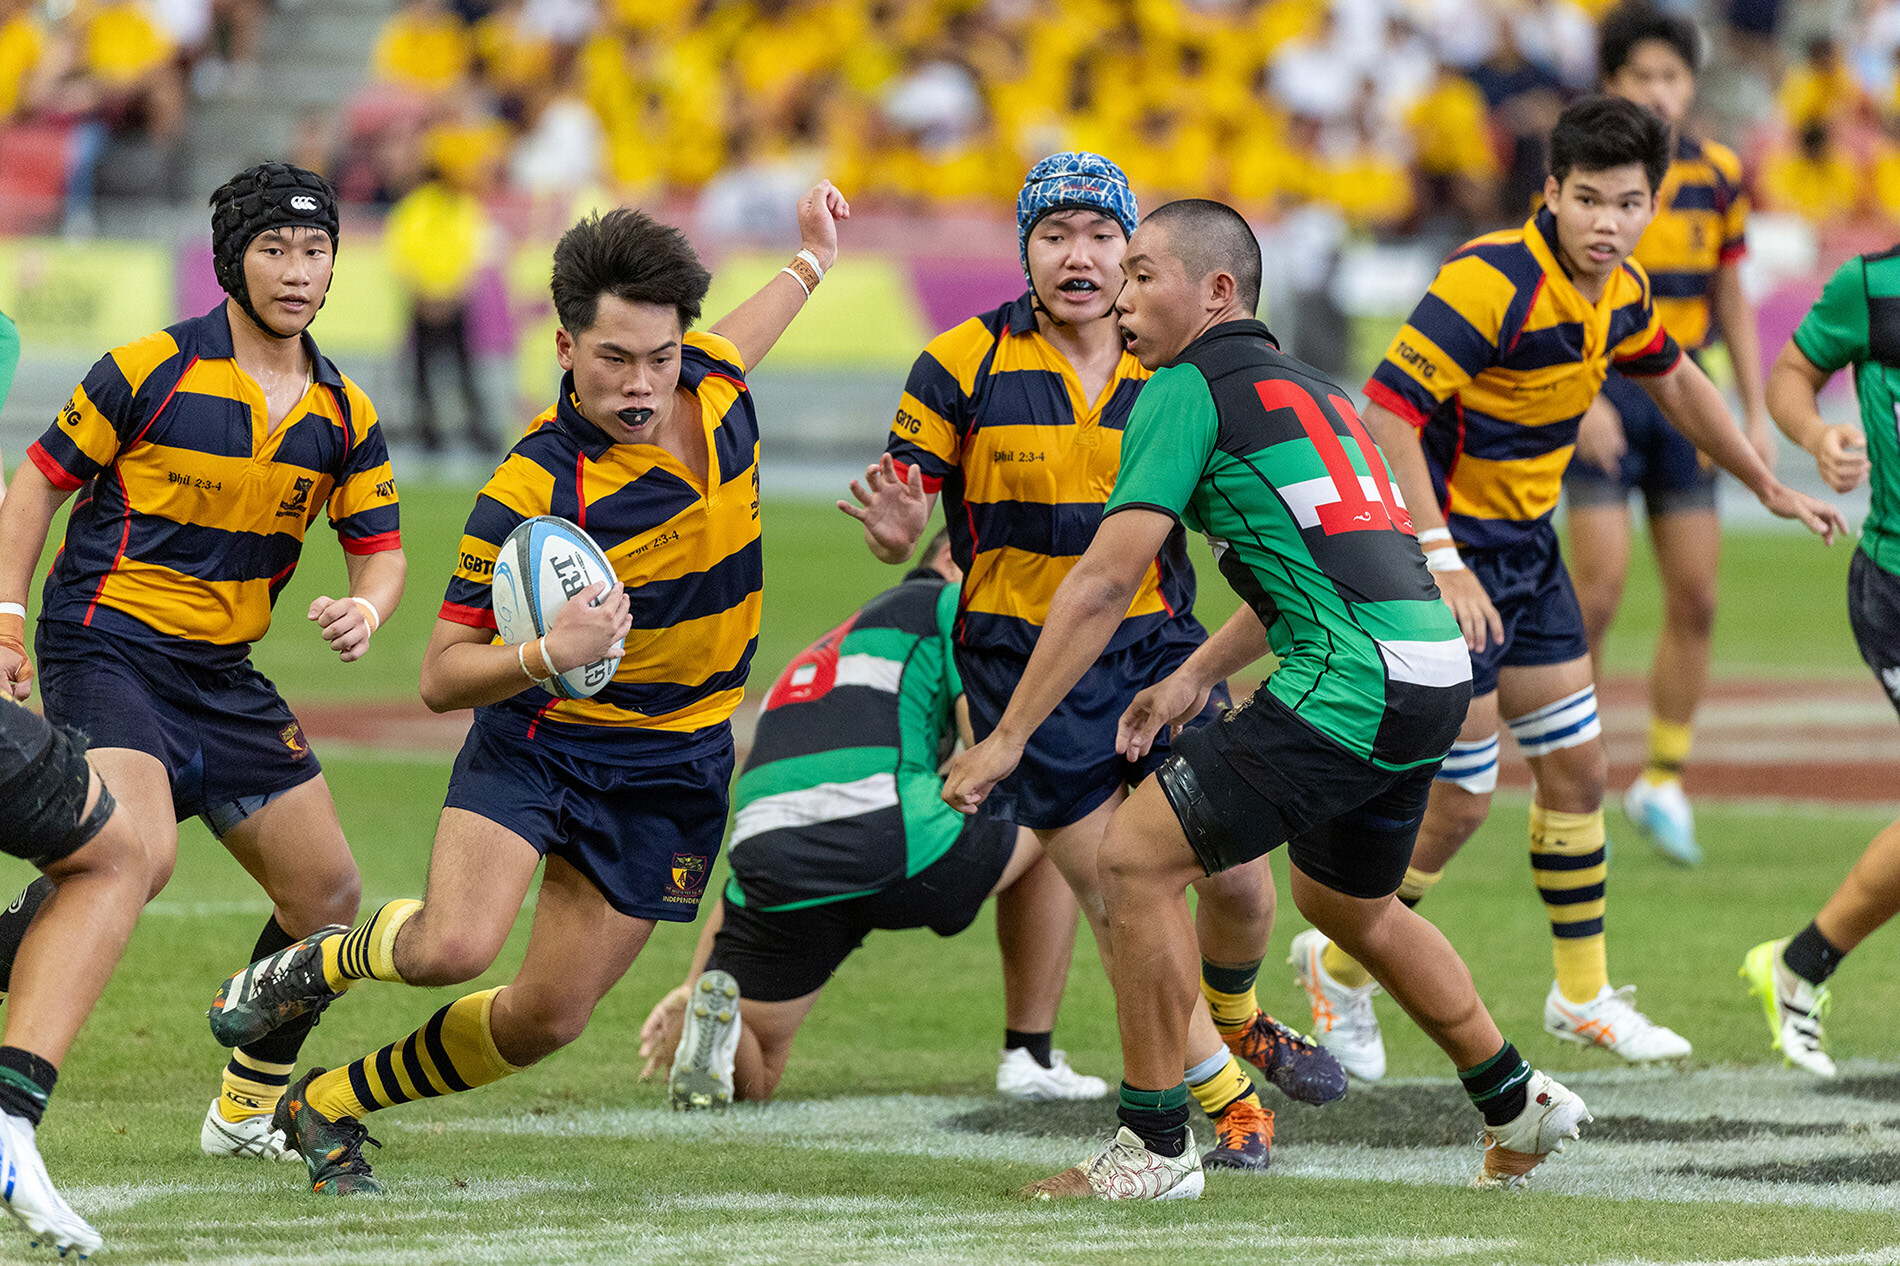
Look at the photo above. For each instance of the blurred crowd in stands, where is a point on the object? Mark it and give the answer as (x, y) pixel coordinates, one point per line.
(1388, 112)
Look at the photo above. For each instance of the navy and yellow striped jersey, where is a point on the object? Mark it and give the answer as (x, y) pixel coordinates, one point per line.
(1497, 364)
(1701, 215)
(194, 511)
(996, 419)
(688, 554)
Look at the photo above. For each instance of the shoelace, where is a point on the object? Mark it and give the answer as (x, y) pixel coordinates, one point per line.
(1808, 1023)
(352, 1155)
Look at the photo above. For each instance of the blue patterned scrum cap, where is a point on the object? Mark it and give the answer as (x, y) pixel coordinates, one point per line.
(1064, 182)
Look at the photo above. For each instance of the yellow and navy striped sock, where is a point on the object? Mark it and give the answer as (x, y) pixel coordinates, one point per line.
(368, 951)
(1668, 749)
(1217, 1081)
(252, 1087)
(1228, 989)
(1570, 867)
(454, 1051)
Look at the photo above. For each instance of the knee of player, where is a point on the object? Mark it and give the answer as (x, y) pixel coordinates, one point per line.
(1690, 610)
(544, 1025)
(1245, 892)
(1574, 780)
(442, 958)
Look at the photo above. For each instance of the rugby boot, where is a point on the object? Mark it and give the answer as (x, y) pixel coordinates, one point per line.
(1610, 1020)
(1304, 1070)
(253, 1137)
(1794, 1007)
(273, 990)
(1243, 1137)
(332, 1150)
(1126, 1170)
(1019, 1076)
(1343, 1020)
(1550, 1117)
(28, 1194)
(702, 1063)
(1661, 811)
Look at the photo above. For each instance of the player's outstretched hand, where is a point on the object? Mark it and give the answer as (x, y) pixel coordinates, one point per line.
(344, 624)
(1841, 458)
(894, 509)
(973, 773)
(1821, 518)
(660, 1035)
(1471, 605)
(593, 626)
(1174, 700)
(818, 214)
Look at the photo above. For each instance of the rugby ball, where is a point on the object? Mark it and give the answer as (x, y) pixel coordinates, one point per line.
(542, 564)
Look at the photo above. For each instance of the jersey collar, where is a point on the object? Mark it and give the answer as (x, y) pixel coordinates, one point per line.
(212, 334)
(1019, 315)
(1248, 328)
(591, 440)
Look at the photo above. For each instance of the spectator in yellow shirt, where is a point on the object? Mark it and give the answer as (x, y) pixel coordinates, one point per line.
(1451, 136)
(1819, 181)
(423, 47)
(436, 239)
(24, 44)
(1820, 88)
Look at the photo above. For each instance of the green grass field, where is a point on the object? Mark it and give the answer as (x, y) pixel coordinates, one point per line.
(885, 1146)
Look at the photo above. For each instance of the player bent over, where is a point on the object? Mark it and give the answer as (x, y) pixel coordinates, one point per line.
(839, 828)
(1476, 407)
(202, 456)
(1333, 754)
(1016, 418)
(652, 448)
(60, 817)
(1851, 324)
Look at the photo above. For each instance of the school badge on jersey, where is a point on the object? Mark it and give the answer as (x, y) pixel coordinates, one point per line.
(689, 877)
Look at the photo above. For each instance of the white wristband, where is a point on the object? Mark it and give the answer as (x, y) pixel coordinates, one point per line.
(369, 610)
(811, 259)
(521, 657)
(12, 608)
(800, 280)
(1445, 559)
(1431, 536)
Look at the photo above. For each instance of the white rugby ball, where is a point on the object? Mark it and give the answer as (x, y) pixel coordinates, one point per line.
(543, 563)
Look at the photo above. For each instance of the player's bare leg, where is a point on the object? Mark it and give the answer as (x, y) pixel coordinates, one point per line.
(1868, 898)
(144, 791)
(1598, 559)
(1036, 921)
(479, 873)
(294, 847)
(765, 1044)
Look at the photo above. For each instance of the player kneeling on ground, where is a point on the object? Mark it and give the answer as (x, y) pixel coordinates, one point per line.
(1333, 755)
(653, 449)
(839, 829)
(60, 817)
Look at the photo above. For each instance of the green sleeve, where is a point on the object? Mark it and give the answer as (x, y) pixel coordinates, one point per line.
(946, 626)
(9, 355)
(1167, 443)
(1834, 332)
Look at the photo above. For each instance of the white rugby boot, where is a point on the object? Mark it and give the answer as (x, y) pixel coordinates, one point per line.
(1019, 1076)
(252, 1138)
(29, 1196)
(1126, 1170)
(1610, 1020)
(1550, 1117)
(1794, 1007)
(1661, 811)
(1343, 1020)
(709, 1043)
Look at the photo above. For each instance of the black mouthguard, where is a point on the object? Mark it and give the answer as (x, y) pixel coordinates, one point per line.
(635, 417)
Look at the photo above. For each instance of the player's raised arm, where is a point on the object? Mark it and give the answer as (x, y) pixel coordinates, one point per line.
(1691, 402)
(755, 325)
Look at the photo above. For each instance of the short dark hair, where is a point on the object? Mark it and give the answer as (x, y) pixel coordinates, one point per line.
(1208, 236)
(1629, 25)
(631, 256)
(928, 554)
(1599, 132)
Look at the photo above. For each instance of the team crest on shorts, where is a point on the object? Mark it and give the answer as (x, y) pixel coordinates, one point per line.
(689, 877)
(292, 735)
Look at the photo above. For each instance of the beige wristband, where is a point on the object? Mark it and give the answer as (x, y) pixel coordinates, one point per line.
(369, 612)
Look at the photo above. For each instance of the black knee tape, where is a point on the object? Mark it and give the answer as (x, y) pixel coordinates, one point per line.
(1191, 808)
(45, 797)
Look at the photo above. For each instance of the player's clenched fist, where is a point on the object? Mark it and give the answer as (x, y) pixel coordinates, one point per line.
(346, 624)
(967, 783)
(590, 628)
(818, 214)
(16, 666)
